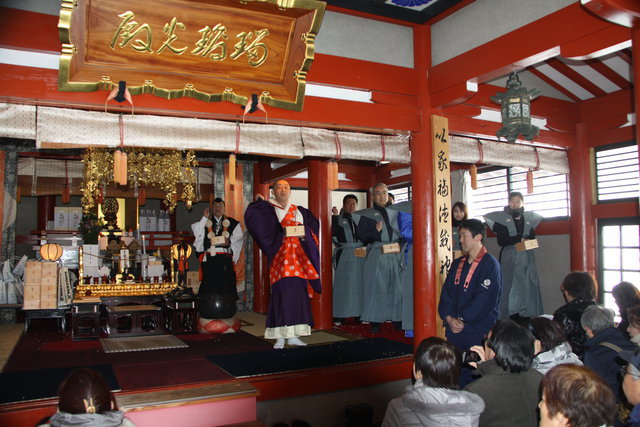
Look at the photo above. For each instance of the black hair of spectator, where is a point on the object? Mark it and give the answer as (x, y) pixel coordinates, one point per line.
(549, 333)
(439, 362)
(512, 344)
(580, 285)
(85, 384)
(580, 395)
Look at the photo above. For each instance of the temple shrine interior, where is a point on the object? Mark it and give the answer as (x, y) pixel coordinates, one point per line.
(121, 123)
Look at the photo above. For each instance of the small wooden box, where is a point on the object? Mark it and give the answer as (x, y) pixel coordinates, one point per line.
(527, 245)
(48, 290)
(391, 248)
(47, 281)
(31, 292)
(294, 231)
(49, 304)
(360, 252)
(218, 240)
(31, 304)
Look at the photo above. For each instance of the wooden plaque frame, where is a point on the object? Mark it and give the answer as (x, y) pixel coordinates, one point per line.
(210, 50)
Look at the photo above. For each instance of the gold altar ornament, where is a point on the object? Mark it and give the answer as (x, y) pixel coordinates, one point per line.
(166, 169)
(178, 250)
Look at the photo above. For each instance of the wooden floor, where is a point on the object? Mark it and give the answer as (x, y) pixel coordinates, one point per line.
(320, 394)
(9, 336)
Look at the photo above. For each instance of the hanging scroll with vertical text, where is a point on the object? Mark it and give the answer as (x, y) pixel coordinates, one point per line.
(442, 196)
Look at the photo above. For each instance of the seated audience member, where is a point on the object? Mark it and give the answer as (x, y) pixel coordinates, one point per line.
(508, 385)
(579, 290)
(575, 396)
(631, 384)
(625, 295)
(85, 400)
(634, 324)
(551, 346)
(604, 343)
(434, 400)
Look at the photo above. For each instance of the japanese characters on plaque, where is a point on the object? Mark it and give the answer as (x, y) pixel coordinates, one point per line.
(208, 50)
(212, 43)
(442, 195)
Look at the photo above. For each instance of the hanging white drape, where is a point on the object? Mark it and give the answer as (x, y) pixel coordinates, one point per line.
(69, 128)
(465, 150)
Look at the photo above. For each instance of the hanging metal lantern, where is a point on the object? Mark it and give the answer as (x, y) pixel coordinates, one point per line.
(516, 110)
(51, 251)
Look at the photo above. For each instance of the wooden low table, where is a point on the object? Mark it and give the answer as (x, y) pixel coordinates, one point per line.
(85, 319)
(181, 316)
(130, 320)
(45, 313)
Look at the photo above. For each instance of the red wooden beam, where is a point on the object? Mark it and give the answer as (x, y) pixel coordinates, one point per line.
(621, 12)
(563, 90)
(607, 123)
(578, 78)
(598, 43)
(611, 105)
(39, 86)
(536, 42)
(615, 210)
(611, 136)
(269, 175)
(606, 71)
(29, 30)
(358, 74)
(625, 55)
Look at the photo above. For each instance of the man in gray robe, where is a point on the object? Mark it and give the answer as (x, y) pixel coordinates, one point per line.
(378, 228)
(348, 260)
(520, 285)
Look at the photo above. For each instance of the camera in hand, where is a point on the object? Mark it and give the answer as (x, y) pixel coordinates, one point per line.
(470, 356)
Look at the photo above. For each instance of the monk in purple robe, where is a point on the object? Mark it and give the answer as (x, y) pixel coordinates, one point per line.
(287, 235)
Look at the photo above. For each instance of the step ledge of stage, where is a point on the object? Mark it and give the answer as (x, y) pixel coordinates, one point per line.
(147, 400)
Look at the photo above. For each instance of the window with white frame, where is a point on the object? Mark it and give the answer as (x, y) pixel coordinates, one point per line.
(619, 255)
(616, 168)
(550, 197)
(401, 194)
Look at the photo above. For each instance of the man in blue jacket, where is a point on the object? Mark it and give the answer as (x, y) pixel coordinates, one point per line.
(470, 297)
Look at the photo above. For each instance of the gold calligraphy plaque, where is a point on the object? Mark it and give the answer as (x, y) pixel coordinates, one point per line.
(220, 50)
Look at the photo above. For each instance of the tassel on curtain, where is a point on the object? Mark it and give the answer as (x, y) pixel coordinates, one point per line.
(66, 191)
(120, 159)
(213, 187)
(473, 170)
(232, 158)
(333, 181)
(142, 196)
(530, 172)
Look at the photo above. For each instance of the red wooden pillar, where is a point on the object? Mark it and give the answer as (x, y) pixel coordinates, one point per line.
(635, 69)
(424, 269)
(2, 170)
(46, 211)
(582, 228)
(320, 205)
(261, 287)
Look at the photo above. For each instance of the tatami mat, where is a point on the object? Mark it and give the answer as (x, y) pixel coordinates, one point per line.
(142, 343)
(254, 323)
(9, 336)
